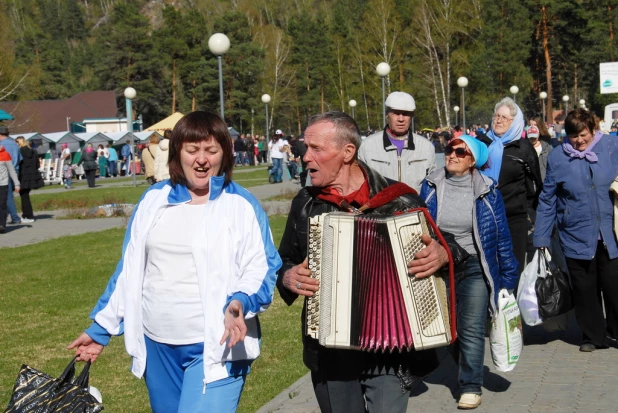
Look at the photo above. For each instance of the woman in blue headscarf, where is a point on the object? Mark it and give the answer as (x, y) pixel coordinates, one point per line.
(513, 163)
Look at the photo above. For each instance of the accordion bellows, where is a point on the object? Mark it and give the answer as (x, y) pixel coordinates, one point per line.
(366, 298)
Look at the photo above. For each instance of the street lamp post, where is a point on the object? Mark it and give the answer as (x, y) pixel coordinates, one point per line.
(383, 69)
(456, 109)
(266, 99)
(129, 94)
(543, 96)
(514, 90)
(582, 103)
(462, 82)
(219, 44)
(565, 99)
(352, 104)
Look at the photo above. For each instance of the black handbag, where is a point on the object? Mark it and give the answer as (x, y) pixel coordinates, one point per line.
(37, 392)
(554, 291)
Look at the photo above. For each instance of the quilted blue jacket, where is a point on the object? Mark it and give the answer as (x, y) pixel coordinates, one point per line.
(576, 197)
(490, 229)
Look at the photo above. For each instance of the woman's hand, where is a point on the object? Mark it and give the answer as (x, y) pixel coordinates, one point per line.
(86, 348)
(234, 322)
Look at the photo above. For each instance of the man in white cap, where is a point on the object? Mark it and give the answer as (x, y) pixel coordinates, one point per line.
(275, 146)
(397, 153)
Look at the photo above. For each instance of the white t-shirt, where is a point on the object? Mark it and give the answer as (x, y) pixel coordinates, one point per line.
(171, 304)
(275, 148)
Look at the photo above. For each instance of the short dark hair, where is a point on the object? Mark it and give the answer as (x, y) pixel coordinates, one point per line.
(197, 127)
(579, 119)
(167, 134)
(345, 125)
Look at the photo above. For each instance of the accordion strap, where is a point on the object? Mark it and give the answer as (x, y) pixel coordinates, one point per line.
(387, 195)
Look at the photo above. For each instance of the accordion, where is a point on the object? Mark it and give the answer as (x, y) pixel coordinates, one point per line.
(367, 300)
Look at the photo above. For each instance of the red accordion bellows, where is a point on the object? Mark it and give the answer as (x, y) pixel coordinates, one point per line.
(379, 302)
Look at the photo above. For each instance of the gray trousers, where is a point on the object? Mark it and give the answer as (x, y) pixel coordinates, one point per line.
(372, 394)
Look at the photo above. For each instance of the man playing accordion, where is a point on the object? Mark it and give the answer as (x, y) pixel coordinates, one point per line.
(350, 380)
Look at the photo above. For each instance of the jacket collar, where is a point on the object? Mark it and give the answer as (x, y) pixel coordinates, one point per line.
(388, 146)
(481, 183)
(180, 194)
(376, 182)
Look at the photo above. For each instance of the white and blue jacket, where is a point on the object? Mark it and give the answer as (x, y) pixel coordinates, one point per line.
(235, 259)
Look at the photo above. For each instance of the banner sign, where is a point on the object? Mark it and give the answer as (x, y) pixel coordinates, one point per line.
(609, 77)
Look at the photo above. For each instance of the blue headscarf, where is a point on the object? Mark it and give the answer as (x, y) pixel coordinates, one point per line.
(497, 146)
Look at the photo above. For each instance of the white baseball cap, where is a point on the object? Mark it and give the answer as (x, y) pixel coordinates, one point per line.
(400, 101)
(278, 132)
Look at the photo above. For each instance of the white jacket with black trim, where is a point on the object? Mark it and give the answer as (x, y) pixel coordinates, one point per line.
(235, 259)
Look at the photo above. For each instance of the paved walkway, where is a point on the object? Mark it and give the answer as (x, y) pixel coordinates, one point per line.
(551, 376)
(47, 227)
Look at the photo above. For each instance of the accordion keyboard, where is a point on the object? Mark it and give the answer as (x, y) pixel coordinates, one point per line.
(313, 303)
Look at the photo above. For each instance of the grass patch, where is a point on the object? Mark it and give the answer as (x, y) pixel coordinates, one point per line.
(126, 194)
(287, 195)
(49, 290)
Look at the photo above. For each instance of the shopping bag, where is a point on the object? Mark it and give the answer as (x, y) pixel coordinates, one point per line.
(526, 291)
(37, 392)
(553, 290)
(505, 335)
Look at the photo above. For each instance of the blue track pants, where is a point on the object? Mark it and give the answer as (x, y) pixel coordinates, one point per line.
(175, 381)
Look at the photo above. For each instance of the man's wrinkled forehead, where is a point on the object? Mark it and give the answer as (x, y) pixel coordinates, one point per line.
(401, 112)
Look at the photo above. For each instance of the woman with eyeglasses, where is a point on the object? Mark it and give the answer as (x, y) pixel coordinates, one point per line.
(514, 164)
(577, 197)
(467, 203)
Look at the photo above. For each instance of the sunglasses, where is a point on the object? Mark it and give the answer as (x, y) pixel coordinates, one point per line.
(459, 152)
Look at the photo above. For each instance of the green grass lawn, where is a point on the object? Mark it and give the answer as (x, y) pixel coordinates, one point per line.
(48, 290)
(88, 198)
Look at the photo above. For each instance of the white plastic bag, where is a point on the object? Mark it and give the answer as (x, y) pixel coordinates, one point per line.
(505, 336)
(526, 292)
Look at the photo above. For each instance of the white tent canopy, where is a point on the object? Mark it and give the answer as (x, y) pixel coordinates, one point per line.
(95, 138)
(64, 137)
(116, 137)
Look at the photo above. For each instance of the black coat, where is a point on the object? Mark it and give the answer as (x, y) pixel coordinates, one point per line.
(520, 177)
(89, 159)
(293, 251)
(29, 175)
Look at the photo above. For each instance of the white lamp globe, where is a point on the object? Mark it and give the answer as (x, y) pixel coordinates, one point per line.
(383, 69)
(219, 44)
(352, 103)
(514, 90)
(543, 95)
(456, 108)
(265, 98)
(130, 93)
(462, 81)
(565, 98)
(582, 102)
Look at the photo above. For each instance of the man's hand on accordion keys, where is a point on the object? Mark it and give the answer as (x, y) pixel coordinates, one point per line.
(298, 280)
(429, 260)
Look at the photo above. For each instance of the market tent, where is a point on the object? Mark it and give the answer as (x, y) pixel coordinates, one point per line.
(144, 137)
(69, 138)
(118, 138)
(166, 124)
(37, 141)
(233, 132)
(5, 116)
(95, 138)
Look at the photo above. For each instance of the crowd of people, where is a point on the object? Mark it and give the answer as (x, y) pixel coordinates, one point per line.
(187, 301)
